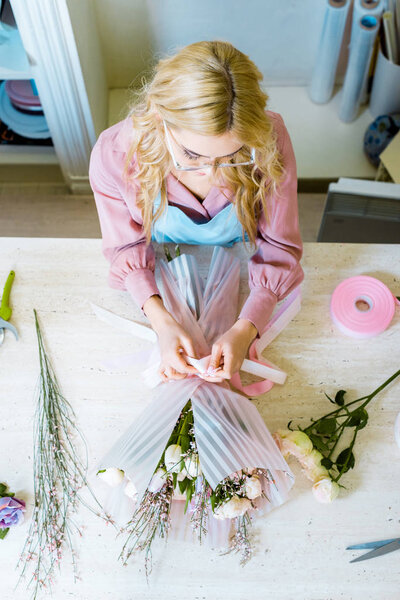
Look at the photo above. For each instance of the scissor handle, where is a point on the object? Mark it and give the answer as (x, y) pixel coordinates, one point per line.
(5, 310)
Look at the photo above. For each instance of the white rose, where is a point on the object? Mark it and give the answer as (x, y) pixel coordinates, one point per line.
(312, 460)
(235, 507)
(111, 476)
(172, 458)
(315, 473)
(312, 467)
(253, 487)
(182, 475)
(219, 512)
(295, 442)
(325, 490)
(157, 481)
(130, 490)
(192, 466)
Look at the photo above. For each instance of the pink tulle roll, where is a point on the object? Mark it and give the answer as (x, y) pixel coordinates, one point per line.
(362, 306)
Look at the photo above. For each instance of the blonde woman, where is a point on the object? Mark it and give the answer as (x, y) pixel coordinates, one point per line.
(200, 160)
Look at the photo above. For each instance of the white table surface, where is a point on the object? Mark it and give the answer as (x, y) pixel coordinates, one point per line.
(300, 552)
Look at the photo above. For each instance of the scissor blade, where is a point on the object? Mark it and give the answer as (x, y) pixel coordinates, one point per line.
(371, 544)
(5, 325)
(379, 551)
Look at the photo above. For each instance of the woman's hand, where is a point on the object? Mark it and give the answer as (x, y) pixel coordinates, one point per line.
(172, 339)
(229, 351)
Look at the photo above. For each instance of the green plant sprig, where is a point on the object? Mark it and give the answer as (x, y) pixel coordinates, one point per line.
(326, 431)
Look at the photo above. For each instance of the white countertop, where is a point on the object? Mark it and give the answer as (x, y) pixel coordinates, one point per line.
(300, 552)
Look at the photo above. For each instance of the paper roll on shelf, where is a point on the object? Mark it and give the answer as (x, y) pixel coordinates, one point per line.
(362, 8)
(357, 68)
(323, 77)
(365, 8)
(385, 93)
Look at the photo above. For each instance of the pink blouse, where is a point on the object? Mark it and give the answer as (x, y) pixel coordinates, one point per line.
(274, 269)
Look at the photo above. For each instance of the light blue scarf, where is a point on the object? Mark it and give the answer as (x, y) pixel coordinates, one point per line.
(175, 226)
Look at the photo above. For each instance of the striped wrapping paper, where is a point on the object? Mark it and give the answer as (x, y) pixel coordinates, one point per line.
(230, 433)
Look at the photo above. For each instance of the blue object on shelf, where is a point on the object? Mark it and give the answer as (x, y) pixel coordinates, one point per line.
(27, 125)
(34, 88)
(379, 134)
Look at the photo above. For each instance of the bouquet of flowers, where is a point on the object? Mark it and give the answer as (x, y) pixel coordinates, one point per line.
(196, 440)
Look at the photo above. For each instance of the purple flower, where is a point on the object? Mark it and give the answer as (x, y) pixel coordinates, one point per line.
(11, 510)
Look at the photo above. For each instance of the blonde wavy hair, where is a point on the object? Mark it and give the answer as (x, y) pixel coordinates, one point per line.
(208, 88)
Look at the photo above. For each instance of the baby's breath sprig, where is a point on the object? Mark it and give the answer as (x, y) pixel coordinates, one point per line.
(151, 517)
(59, 474)
(240, 540)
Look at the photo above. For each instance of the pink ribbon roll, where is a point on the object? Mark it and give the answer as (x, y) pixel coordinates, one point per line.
(362, 306)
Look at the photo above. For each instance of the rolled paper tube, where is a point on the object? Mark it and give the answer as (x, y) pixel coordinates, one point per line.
(357, 68)
(385, 93)
(362, 306)
(362, 8)
(365, 8)
(323, 77)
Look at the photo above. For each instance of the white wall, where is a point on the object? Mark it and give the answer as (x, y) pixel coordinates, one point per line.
(84, 25)
(280, 36)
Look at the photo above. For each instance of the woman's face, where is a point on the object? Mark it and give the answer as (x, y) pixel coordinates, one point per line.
(192, 149)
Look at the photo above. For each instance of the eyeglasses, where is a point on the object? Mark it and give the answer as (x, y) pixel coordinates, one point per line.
(206, 166)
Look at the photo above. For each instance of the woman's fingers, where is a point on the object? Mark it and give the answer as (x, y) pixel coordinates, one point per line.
(188, 347)
(216, 355)
(168, 373)
(227, 367)
(181, 365)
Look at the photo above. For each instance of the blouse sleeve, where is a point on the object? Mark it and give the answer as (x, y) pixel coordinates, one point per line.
(275, 270)
(132, 263)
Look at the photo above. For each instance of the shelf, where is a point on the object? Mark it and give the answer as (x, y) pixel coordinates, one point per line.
(325, 147)
(13, 60)
(27, 155)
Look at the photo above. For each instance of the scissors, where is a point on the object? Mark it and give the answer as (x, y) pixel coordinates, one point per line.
(5, 310)
(379, 548)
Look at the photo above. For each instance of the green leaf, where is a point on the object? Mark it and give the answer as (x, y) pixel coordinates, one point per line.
(187, 502)
(327, 463)
(183, 485)
(326, 426)
(359, 418)
(341, 459)
(3, 488)
(189, 492)
(167, 253)
(318, 443)
(339, 399)
(177, 250)
(174, 478)
(3, 533)
(185, 443)
(213, 499)
(330, 399)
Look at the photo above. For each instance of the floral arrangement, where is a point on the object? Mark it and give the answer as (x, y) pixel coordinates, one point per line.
(207, 465)
(314, 446)
(11, 510)
(59, 474)
(178, 476)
